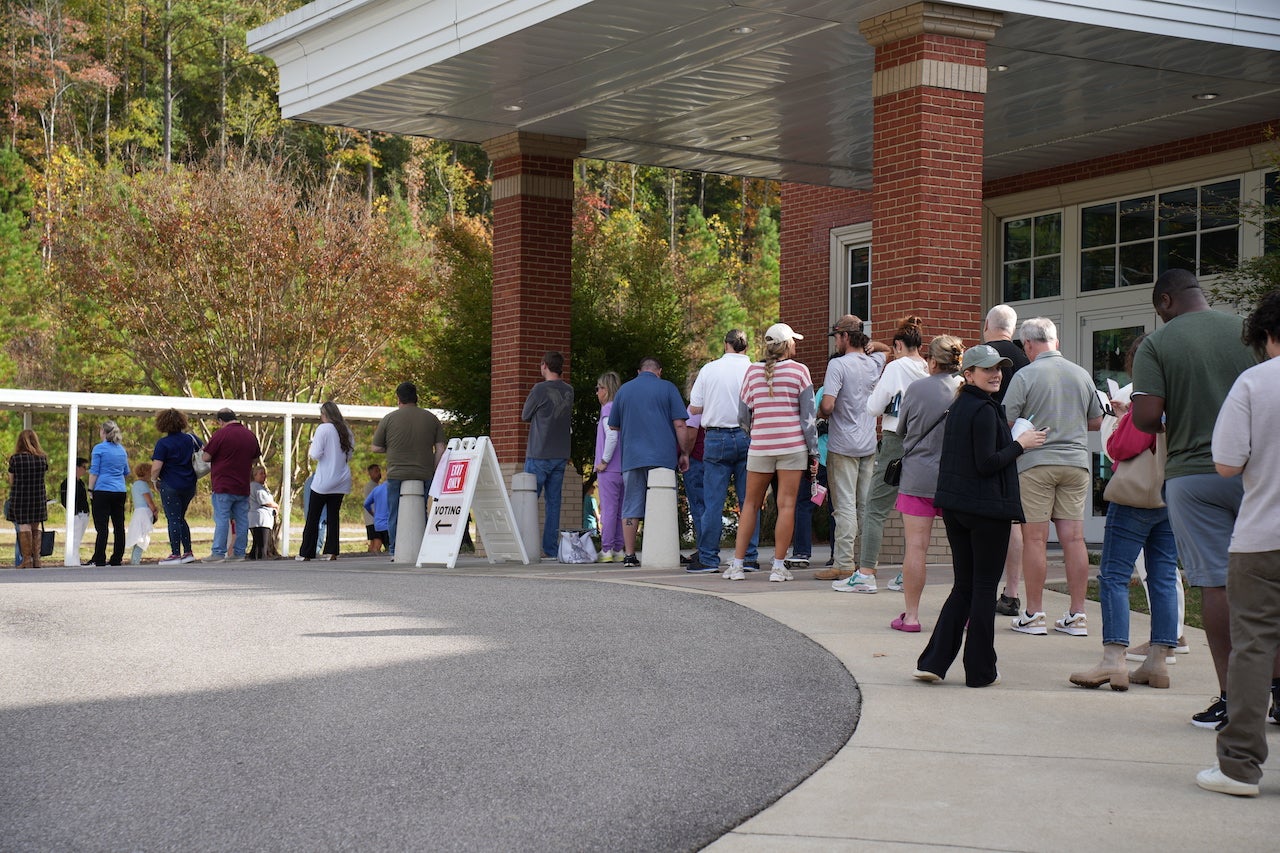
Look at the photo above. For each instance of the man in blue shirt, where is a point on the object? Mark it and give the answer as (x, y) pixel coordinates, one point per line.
(650, 413)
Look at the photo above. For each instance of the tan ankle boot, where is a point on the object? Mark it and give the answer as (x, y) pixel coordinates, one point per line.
(1154, 670)
(1111, 669)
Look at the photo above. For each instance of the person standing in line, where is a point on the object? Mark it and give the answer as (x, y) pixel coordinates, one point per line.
(591, 507)
(176, 479)
(137, 538)
(777, 412)
(884, 403)
(650, 414)
(608, 467)
(28, 504)
(1184, 370)
(231, 452)
(262, 514)
(331, 448)
(997, 333)
(413, 440)
(548, 410)
(924, 411)
(715, 397)
(1055, 478)
(851, 446)
(370, 529)
(80, 522)
(375, 504)
(979, 498)
(1245, 445)
(108, 467)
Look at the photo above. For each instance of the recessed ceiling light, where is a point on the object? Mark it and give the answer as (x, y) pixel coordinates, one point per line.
(1002, 68)
(1206, 96)
(741, 137)
(512, 108)
(742, 31)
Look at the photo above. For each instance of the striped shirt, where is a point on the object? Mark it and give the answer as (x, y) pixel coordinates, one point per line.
(776, 428)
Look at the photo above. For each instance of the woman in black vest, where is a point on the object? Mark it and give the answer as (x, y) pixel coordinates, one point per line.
(979, 498)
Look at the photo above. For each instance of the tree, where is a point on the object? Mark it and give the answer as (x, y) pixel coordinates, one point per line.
(20, 274)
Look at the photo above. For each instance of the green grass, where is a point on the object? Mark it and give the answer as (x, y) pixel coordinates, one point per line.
(1138, 599)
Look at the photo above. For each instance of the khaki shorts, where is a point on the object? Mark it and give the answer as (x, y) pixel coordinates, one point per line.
(1054, 492)
(797, 461)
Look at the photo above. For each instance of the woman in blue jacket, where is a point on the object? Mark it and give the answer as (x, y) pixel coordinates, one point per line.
(108, 467)
(979, 498)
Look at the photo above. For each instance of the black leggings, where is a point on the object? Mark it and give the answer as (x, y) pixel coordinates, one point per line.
(978, 548)
(108, 507)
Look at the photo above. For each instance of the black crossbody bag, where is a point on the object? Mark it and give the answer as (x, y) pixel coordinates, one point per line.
(893, 471)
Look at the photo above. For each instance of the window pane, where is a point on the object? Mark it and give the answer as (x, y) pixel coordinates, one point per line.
(1219, 251)
(1137, 219)
(1137, 264)
(1048, 276)
(1017, 281)
(1176, 252)
(1271, 189)
(1098, 226)
(1220, 204)
(1098, 269)
(1048, 234)
(1017, 239)
(1178, 212)
(860, 301)
(859, 266)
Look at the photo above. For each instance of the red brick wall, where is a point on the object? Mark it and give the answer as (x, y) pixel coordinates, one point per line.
(808, 215)
(532, 293)
(927, 196)
(1154, 155)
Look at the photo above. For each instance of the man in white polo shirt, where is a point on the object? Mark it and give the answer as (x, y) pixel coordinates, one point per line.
(724, 456)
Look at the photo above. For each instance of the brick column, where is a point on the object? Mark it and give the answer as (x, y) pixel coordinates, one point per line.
(929, 86)
(532, 274)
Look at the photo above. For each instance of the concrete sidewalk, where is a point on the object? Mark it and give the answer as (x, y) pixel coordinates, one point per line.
(1034, 763)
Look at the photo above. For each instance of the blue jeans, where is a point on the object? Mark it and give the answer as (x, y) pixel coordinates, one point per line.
(175, 503)
(693, 493)
(393, 513)
(225, 508)
(550, 476)
(802, 538)
(1130, 530)
(724, 457)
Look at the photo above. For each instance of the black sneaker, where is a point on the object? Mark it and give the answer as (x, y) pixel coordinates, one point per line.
(696, 568)
(684, 561)
(1213, 716)
(1007, 606)
(1275, 707)
(751, 565)
(631, 561)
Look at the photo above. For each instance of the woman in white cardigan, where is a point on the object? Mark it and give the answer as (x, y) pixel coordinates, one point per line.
(331, 448)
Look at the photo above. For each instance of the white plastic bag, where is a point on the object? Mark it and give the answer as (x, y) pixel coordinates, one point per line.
(576, 546)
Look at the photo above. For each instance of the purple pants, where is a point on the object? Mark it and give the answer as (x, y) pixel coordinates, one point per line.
(610, 485)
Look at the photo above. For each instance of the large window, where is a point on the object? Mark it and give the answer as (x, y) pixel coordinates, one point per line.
(1134, 240)
(859, 265)
(1271, 198)
(1033, 257)
(851, 272)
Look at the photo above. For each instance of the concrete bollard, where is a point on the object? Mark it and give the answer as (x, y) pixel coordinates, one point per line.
(524, 506)
(661, 529)
(411, 523)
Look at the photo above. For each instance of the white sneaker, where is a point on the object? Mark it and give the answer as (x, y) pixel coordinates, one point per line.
(895, 585)
(171, 560)
(605, 557)
(1214, 779)
(858, 582)
(1139, 654)
(735, 573)
(1029, 623)
(1073, 624)
(780, 573)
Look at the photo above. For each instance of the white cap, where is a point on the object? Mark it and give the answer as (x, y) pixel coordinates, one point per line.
(780, 332)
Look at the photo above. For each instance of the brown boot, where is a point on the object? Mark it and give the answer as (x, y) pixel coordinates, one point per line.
(1111, 669)
(832, 574)
(36, 536)
(28, 545)
(1154, 670)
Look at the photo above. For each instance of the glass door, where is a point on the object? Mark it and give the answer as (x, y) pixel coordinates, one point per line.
(1105, 338)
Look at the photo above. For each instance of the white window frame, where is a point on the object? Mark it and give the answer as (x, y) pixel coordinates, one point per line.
(842, 240)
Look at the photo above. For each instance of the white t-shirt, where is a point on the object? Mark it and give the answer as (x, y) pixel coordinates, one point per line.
(1245, 435)
(333, 469)
(717, 389)
(886, 397)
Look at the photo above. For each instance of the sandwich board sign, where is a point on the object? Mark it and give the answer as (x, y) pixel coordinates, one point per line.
(466, 481)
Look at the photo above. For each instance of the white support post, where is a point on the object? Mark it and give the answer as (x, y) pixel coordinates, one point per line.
(286, 486)
(661, 529)
(73, 428)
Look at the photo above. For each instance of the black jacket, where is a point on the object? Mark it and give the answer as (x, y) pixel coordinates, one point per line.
(977, 473)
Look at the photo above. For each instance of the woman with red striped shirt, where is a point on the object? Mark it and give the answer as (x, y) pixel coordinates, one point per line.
(776, 408)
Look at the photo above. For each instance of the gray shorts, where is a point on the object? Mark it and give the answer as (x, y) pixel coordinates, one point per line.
(1202, 511)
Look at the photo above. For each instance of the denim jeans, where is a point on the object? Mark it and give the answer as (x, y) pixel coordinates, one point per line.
(225, 508)
(1130, 530)
(550, 477)
(693, 493)
(802, 538)
(724, 457)
(393, 513)
(175, 503)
